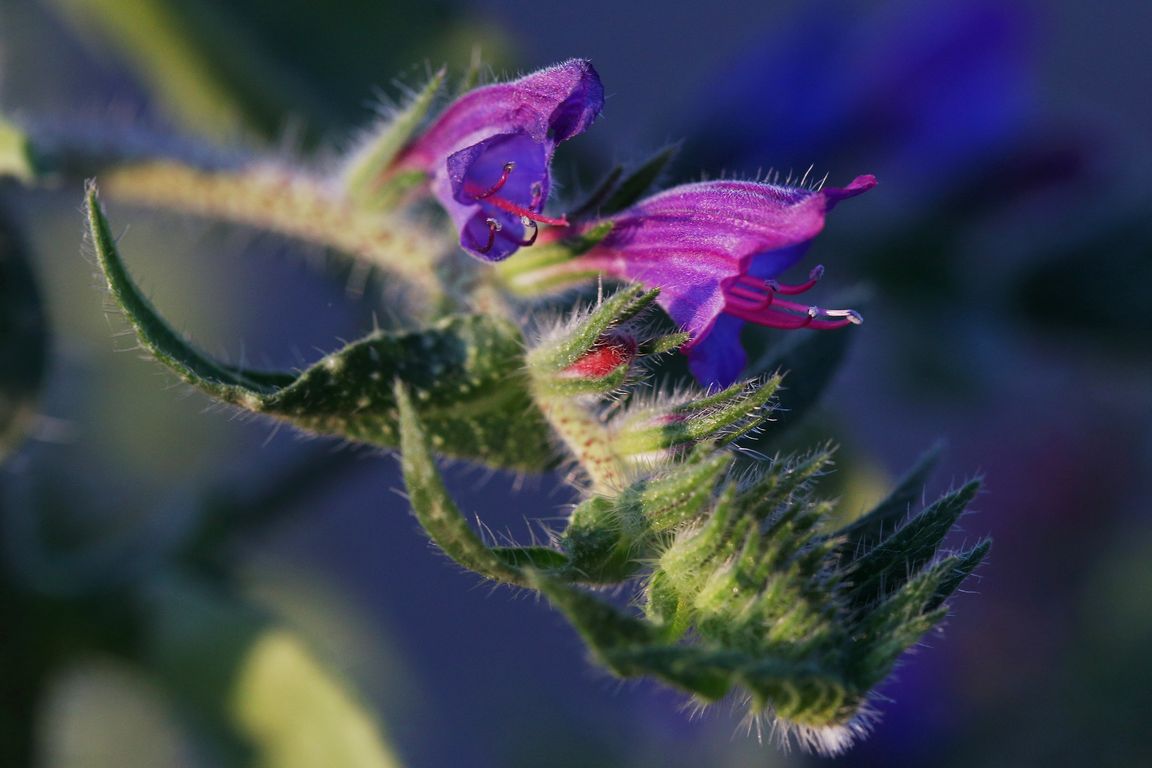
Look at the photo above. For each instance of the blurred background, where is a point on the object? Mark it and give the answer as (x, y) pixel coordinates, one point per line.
(1007, 254)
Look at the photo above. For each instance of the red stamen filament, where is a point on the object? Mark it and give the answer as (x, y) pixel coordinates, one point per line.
(511, 207)
(489, 195)
(500, 182)
(756, 301)
(791, 290)
(493, 228)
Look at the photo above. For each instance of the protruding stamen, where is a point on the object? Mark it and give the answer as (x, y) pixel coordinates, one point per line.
(743, 301)
(493, 228)
(508, 167)
(791, 290)
(750, 290)
(511, 207)
(529, 224)
(532, 213)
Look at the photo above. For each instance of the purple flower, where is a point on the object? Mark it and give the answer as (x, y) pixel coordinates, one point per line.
(714, 250)
(929, 90)
(488, 153)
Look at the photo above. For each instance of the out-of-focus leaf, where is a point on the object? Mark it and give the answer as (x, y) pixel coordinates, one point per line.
(618, 191)
(23, 337)
(465, 375)
(102, 713)
(240, 674)
(641, 179)
(197, 61)
(16, 155)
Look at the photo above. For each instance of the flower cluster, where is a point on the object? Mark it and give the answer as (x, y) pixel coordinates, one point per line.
(714, 249)
(743, 582)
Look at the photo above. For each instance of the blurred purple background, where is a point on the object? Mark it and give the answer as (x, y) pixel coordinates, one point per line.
(1007, 256)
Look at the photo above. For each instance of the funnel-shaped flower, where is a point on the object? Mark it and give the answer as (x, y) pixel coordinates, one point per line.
(488, 153)
(714, 250)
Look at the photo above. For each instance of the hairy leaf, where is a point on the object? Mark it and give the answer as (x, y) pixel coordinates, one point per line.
(464, 373)
(434, 508)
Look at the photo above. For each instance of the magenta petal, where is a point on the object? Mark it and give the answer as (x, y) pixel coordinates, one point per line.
(550, 105)
(694, 242)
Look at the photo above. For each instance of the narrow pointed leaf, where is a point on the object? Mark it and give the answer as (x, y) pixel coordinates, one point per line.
(464, 373)
(889, 565)
(883, 520)
(604, 628)
(434, 508)
(539, 558)
(706, 674)
(957, 568)
(592, 203)
(557, 353)
(365, 168)
(636, 184)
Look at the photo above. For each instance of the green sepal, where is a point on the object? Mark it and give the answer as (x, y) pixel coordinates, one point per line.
(552, 355)
(905, 614)
(365, 168)
(609, 539)
(464, 373)
(866, 531)
(17, 158)
(545, 268)
(433, 506)
(618, 191)
(768, 489)
(886, 567)
(955, 570)
(662, 345)
(723, 417)
(575, 386)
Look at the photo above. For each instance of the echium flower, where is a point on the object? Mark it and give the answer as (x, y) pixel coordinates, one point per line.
(715, 249)
(488, 154)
